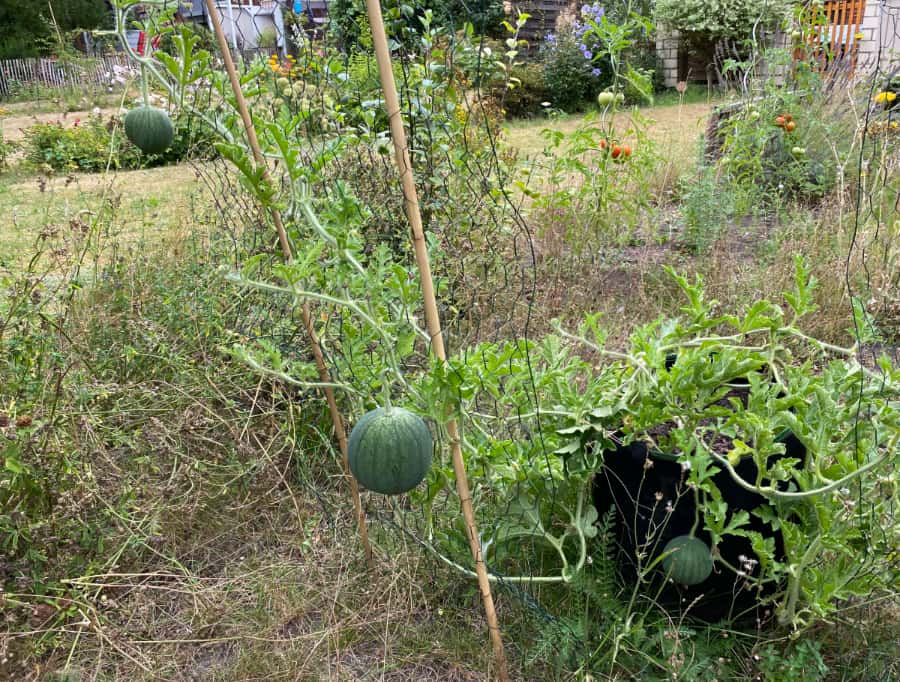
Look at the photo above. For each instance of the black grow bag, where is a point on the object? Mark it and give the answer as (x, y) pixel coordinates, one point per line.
(639, 483)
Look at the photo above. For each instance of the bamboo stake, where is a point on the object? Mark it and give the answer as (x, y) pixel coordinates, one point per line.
(319, 357)
(432, 320)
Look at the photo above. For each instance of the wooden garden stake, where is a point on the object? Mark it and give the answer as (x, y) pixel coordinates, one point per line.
(324, 375)
(432, 320)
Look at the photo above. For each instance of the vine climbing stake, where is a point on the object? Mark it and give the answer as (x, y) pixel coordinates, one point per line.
(433, 323)
(336, 418)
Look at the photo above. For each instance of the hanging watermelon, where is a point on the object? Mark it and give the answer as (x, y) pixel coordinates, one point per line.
(390, 450)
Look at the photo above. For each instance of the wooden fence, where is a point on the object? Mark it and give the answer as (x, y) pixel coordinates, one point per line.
(832, 35)
(18, 75)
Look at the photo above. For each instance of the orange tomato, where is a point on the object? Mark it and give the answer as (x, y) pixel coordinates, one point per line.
(790, 126)
(626, 151)
(779, 121)
(616, 151)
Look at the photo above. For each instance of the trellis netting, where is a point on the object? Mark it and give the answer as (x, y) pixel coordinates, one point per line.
(585, 458)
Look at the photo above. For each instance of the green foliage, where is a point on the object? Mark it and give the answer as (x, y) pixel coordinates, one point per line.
(568, 79)
(94, 143)
(800, 663)
(525, 95)
(26, 25)
(770, 160)
(7, 148)
(349, 23)
(591, 197)
(705, 20)
(811, 502)
(84, 145)
(707, 207)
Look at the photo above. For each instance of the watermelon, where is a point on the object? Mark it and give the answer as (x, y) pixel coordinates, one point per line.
(149, 129)
(390, 450)
(687, 560)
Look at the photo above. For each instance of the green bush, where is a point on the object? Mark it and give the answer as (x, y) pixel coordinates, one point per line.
(699, 21)
(92, 144)
(526, 92)
(569, 78)
(83, 145)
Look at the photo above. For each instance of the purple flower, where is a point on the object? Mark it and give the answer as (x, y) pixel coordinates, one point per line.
(588, 54)
(550, 39)
(595, 72)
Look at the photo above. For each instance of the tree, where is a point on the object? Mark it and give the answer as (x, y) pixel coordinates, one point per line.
(26, 25)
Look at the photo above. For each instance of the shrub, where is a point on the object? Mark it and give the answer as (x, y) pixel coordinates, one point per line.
(93, 144)
(570, 79)
(84, 145)
(699, 21)
(526, 92)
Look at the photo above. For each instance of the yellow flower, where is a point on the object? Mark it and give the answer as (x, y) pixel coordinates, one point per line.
(886, 96)
(894, 124)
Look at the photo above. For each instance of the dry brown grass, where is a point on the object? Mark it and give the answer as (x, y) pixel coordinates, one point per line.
(674, 128)
(146, 206)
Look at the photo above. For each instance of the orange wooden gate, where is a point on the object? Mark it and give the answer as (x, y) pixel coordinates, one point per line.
(831, 34)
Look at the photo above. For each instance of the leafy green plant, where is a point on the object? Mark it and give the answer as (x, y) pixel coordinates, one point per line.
(569, 78)
(801, 663)
(707, 207)
(90, 145)
(527, 95)
(704, 21)
(596, 189)
(7, 149)
(811, 502)
(98, 142)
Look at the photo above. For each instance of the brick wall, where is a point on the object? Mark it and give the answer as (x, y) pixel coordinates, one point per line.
(667, 54)
(880, 26)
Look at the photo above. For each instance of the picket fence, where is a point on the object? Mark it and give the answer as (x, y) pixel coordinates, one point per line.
(17, 75)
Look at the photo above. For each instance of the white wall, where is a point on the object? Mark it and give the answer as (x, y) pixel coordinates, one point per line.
(249, 22)
(880, 27)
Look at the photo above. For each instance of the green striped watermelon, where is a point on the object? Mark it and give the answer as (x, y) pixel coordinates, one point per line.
(149, 129)
(390, 450)
(688, 560)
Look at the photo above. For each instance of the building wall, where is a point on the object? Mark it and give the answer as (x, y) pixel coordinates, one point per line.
(249, 22)
(667, 55)
(880, 27)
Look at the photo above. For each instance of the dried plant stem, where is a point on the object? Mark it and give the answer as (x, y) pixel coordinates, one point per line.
(324, 375)
(432, 320)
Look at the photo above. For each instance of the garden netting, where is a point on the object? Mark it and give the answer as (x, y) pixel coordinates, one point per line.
(566, 529)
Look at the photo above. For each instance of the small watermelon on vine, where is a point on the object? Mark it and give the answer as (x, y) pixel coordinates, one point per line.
(150, 129)
(687, 560)
(389, 450)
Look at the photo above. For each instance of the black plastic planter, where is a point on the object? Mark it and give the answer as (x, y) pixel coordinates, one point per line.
(653, 504)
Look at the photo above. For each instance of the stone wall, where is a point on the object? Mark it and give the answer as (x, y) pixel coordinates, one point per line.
(667, 55)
